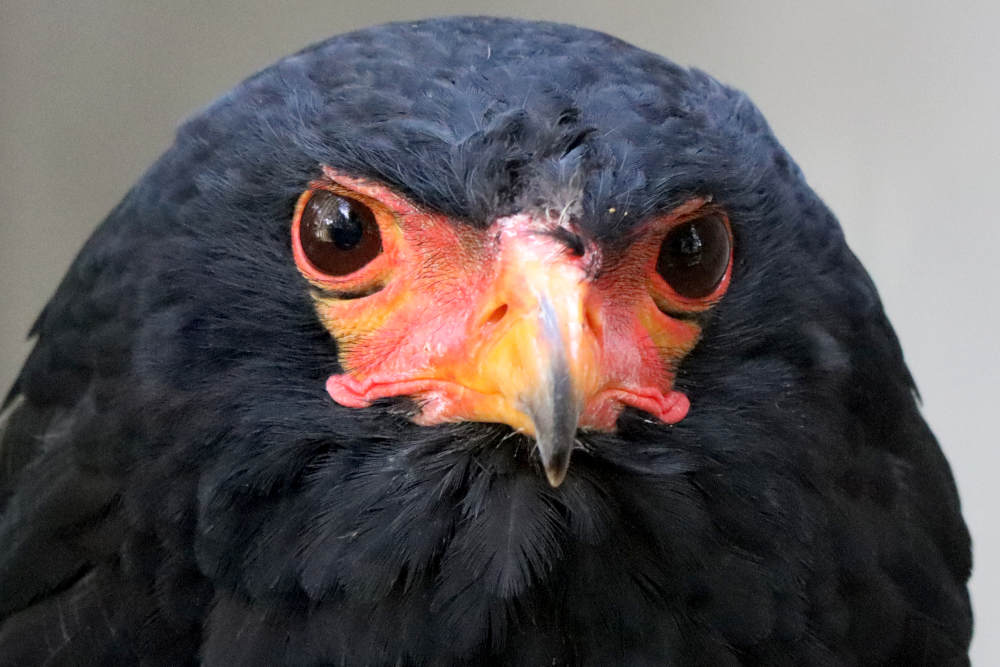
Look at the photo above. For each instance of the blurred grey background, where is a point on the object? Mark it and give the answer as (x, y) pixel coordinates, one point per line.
(892, 111)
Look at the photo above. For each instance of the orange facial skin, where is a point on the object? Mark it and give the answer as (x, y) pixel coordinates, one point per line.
(488, 325)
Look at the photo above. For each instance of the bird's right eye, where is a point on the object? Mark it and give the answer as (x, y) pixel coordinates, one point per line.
(695, 256)
(339, 235)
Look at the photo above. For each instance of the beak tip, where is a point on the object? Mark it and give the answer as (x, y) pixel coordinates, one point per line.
(555, 477)
(556, 467)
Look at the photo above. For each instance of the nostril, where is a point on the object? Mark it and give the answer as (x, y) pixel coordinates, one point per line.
(497, 315)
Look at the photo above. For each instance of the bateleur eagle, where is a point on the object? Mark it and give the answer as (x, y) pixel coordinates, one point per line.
(474, 341)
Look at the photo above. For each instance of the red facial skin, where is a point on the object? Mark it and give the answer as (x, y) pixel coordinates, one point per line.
(454, 316)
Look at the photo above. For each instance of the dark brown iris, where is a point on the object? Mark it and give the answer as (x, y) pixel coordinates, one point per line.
(339, 235)
(695, 255)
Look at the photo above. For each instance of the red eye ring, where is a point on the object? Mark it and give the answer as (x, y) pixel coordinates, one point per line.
(341, 239)
(693, 263)
(339, 235)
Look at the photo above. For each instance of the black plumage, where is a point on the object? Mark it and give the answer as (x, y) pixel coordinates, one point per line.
(177, 487)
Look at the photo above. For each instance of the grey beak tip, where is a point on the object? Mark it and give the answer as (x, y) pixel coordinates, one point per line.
(555, 407)
(556, 468)
(555, 450)
(555, 477)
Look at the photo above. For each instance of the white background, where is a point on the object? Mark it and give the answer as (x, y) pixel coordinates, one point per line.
(891, 109)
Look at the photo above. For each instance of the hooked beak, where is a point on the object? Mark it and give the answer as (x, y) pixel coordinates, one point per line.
(555, 404)
(536, 351)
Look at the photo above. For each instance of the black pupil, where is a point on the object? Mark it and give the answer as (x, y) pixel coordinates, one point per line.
(346, 227)
(687, 245)
(339, 235)
(695, 255)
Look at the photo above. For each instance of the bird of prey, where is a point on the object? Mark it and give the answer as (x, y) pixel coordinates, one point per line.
(474, 341)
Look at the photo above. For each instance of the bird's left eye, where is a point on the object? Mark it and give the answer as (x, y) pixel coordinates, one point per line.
(339, 235)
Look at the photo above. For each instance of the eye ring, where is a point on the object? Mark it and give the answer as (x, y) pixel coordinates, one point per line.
(336, 234)
(695, 257)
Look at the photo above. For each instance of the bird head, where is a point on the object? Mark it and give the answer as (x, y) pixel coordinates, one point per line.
(416, 267)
